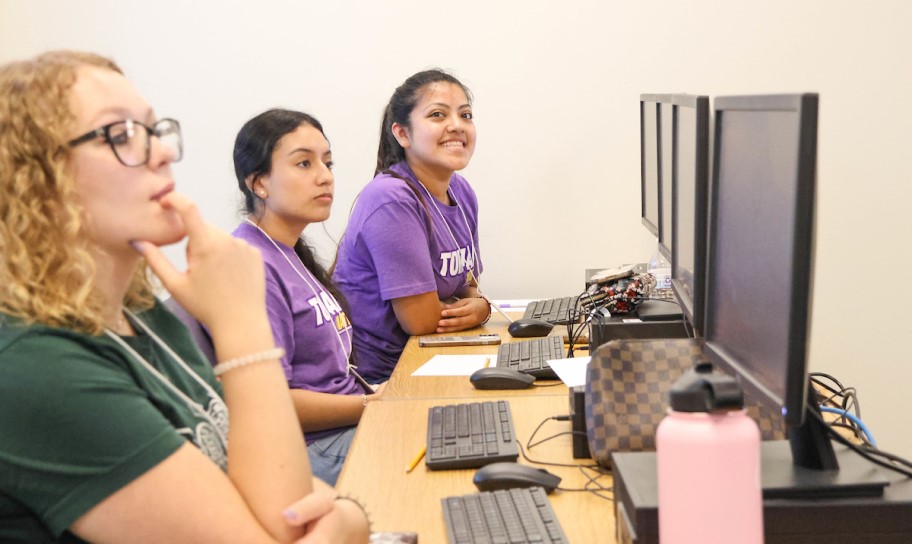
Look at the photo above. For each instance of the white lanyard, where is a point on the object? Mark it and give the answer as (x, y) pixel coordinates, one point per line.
(469, 275)
(217, 407)
(345, 351)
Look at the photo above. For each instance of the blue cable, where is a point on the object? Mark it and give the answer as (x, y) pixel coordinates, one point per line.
(854, 419)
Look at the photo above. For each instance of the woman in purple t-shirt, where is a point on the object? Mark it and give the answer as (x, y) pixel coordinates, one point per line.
(283, 164)
(409, 261)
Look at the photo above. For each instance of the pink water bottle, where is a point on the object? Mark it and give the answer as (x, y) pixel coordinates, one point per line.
(708, 453)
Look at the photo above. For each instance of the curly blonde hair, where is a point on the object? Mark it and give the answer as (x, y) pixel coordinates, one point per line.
(46, 271)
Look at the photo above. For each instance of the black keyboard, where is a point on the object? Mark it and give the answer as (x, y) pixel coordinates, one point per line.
(510, 516)
(531, 356)
(470, 435)
(553, 310)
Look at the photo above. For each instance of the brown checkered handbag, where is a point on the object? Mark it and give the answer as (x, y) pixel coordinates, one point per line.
(626, 394)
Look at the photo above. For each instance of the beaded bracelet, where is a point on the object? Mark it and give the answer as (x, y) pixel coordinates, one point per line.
(359, 505)
(490, 310)
(231, 364)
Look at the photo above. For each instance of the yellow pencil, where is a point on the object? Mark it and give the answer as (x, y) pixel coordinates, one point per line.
(487, 362)
(416, 460)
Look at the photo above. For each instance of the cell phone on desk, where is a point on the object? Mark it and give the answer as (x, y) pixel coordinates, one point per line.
(468, 340)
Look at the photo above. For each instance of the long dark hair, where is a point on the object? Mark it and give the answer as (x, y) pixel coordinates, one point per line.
(399, 109)
(253, 148)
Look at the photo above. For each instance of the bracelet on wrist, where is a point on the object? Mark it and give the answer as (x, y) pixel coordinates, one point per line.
(490, 309)
(360, 506)
(259, 357)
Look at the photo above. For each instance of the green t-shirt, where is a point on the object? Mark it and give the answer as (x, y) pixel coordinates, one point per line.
(80, 417)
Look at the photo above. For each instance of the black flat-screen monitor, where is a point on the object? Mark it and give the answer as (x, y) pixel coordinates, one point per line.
(759, 271)
(666, 210)
(758, 279)
(689, 198)
(649, 162)
(760, 254)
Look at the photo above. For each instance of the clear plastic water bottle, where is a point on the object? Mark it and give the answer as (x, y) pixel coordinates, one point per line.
(708, 468)
(660, 268)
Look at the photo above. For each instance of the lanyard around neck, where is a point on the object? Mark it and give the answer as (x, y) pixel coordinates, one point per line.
(345, 351)
(446, 223)
(216, 402)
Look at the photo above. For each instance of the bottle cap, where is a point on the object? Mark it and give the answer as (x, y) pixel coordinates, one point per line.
(702, 389)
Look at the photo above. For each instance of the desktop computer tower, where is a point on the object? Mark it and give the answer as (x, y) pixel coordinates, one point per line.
(621, 327)
(578, 423)
(883, 519)
(603, 329)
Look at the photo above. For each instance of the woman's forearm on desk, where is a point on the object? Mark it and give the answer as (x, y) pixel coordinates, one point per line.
(418, 314)
(320, 411)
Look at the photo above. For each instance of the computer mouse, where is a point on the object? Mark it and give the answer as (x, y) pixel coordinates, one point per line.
(498, 377)
(508, 475)
(529, 328)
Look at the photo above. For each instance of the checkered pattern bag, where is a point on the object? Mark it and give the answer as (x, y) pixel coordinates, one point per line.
(627, 394)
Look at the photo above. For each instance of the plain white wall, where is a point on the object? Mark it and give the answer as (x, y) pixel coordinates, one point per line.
(556, 87)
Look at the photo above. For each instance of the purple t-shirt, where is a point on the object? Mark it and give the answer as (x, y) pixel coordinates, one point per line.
(306, 321)
(390, 251)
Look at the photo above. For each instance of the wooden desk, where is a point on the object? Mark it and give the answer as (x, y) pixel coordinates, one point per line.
(393, 431)
(403, 386)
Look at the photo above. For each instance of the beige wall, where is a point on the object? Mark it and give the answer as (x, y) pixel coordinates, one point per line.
(556, 87)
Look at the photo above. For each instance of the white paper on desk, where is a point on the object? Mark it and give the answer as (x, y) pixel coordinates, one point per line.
(454, 365)
(571, 371)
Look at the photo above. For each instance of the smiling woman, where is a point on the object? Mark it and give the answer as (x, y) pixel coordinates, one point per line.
(411, 246)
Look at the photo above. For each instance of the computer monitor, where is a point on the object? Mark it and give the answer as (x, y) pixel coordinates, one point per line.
(649, 162)
(666, 211)
(758, 275)
(689, 195)
(758, 279)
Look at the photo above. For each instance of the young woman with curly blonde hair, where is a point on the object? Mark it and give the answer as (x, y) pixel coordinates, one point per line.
(114, 427)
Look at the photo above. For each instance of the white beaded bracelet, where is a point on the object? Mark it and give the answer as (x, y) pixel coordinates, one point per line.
(231, 364)
(490, 309)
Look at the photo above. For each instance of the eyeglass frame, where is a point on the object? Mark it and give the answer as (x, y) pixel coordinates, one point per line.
(105, 133)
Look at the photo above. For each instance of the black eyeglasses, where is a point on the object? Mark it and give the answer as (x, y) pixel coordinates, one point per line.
(131, 140)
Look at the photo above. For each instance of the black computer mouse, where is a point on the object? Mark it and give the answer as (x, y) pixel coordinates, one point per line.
(529, 328)
(508, 475)
(497, 377)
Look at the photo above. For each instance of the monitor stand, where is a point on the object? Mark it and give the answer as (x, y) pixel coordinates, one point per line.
(861, 519)
(807, 466)
(783, 479)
